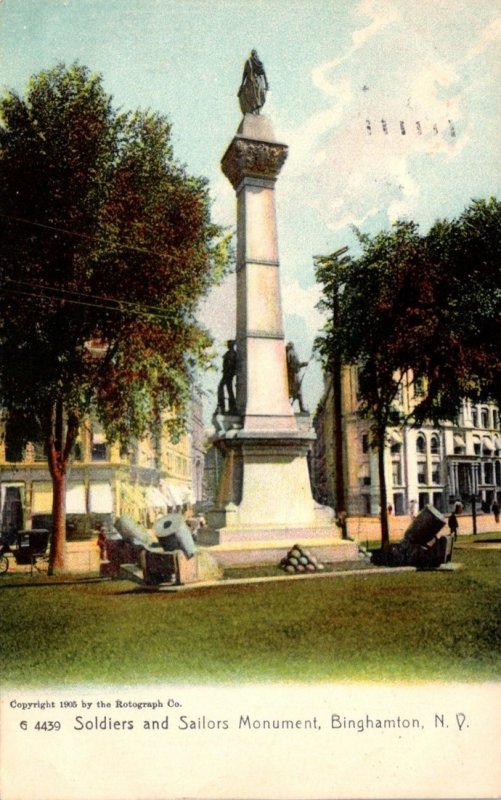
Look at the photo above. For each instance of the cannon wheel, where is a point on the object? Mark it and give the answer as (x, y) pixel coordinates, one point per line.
(4, 564)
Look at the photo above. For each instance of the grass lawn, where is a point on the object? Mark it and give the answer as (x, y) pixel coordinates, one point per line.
(396, 626)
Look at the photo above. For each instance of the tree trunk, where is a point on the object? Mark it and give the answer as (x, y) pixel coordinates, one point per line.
(58, 458)
(383, 500)
(57, 549)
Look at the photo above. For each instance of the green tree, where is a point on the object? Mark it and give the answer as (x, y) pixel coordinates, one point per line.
(461, 353)
(417, 307)
(376, 295)
(104, 236)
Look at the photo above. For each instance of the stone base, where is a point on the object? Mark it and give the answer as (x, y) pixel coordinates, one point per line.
(271, 551)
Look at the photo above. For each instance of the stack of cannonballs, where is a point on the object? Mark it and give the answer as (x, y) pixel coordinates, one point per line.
(298, 559)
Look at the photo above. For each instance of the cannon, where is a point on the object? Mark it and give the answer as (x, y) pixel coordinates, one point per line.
(421, 546)
(173, 534)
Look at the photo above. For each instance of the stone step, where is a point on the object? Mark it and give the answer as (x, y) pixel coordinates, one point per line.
(264, 553)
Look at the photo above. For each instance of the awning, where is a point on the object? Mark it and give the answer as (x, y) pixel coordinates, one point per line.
(487, 443)
(75, 499)
(98, 438)
(155, 499)
(173, 492)
(459, 441)
(100, 498)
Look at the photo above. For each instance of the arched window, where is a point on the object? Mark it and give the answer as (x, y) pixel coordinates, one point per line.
(484, 416)
(420, 443)
(435, 444)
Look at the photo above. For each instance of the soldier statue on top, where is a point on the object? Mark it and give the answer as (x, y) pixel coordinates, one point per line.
(252, 92)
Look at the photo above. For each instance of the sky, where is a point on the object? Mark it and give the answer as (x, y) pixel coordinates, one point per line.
(390, 110)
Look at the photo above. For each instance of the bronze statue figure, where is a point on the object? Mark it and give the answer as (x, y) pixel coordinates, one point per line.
(252, 92)
(226, 382)
(294, 367)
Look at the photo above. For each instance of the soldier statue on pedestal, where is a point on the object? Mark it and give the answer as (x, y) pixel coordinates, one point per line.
(226, 382)
(294, 367)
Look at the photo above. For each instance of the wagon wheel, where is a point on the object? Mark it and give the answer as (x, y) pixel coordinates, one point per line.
(4, 564)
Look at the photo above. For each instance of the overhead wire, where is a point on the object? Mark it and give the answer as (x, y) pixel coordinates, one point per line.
(105, 304)
(132, 311)
(79, 235)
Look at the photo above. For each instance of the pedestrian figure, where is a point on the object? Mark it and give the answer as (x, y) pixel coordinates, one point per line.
(495, 510)
(453, 525)
(101, 543)
(226, 382)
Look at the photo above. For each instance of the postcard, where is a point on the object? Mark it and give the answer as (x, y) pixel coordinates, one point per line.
(251, 649)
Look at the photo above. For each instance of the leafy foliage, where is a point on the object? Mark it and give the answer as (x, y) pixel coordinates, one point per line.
(107, 239)
(104, 236)
(418, 307)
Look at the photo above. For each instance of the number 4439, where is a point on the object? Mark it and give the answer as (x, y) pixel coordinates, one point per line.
(48, 725)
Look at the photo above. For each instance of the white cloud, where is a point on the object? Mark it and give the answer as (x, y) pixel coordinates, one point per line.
(490, 36)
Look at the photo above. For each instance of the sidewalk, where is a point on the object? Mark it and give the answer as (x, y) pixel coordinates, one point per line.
(83, 556)
(369, 528)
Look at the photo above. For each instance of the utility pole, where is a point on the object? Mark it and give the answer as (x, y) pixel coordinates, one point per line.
(331, 265)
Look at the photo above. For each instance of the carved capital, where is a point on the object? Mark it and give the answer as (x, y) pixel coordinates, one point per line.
(250, 157)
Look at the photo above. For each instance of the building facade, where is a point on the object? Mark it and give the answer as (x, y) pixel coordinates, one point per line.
(150, 478)
(438, 464)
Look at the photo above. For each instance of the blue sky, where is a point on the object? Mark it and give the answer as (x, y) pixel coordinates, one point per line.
(336, 70)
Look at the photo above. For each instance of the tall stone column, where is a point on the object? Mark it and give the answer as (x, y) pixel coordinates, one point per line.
(252, 164)
(265, 492)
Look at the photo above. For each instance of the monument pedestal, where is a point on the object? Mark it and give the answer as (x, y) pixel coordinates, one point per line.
(264, 503)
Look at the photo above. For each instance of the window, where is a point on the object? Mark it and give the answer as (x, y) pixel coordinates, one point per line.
(98, 451)
(488, 472)
(395, 448)
(484, 415)
(435, 473)
(365, 443)
(419, 387)
(477, 447)
(98, 447)
(474, 417)
(421, 472)
(396, 473)
(435, 444)
(420, 444)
